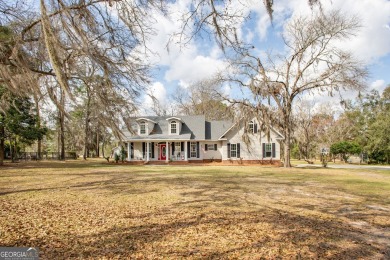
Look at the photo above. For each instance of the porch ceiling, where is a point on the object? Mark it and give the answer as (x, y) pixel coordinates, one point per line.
(160, 137)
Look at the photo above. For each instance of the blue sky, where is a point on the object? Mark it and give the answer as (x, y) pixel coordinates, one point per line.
(200, 58)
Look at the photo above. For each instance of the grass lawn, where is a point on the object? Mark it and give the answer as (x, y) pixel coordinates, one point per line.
(96, 210)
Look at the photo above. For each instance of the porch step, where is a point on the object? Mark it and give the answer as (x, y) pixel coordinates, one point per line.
(166, 163)
(156, 163)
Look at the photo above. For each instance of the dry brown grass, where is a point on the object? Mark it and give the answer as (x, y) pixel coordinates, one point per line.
(95, 210)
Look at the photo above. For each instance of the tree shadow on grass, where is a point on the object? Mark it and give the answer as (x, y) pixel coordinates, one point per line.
(68, 164)
(208, 222)
(216, 234)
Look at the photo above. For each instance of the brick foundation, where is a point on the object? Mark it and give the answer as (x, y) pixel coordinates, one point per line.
(206, 162)
(252, 162)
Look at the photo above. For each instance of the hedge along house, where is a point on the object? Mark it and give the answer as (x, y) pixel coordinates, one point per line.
(193, 139)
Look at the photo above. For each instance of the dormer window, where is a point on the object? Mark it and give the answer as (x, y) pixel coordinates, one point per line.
(145, 125)
(252, 127)
(173, 127)
(142, 127)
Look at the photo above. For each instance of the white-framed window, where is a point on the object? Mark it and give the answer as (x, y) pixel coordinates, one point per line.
(268, 150)
(150, 150)
(210, 147)
(251, 127)
(193, 150)
(233, 150)
(177, 148)
(173, 127)
(142, 127)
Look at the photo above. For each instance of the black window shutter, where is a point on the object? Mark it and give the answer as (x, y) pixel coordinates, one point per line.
(188, 150)
(228, 150)
(152, 150)
(255, 129)
(197, 150)
(182, 146)
(143, 149)
(215, 147)
(273, 150)
(263, 150)
(205, 147)
(173, 148)
(238, 150)
(132, 150)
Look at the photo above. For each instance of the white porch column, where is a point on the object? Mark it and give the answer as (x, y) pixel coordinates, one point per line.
(166, 151)
(185, 151)
(128, 152)
(147, 151)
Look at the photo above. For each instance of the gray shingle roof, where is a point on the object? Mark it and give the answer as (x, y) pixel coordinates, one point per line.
(194, 127)
(215, 129)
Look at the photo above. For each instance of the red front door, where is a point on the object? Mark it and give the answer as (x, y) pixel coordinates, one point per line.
(163, 151)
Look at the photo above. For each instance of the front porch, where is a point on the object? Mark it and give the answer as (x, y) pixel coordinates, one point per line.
(160, 151)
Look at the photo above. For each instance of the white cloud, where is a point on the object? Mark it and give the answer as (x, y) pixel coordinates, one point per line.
(183, 84)
(193, 62)
(158, 91)
(371, 42)
(190, 68)
(185, 63)
(378, 85)
(226, 90)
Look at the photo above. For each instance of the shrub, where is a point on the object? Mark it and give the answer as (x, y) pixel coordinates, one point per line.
(116, 157)
(345, 149)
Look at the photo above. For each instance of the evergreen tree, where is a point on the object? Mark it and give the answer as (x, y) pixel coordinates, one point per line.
(18, 122)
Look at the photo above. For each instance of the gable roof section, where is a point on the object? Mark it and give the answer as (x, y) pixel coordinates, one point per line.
(234, 125)
(174, 118)
(144, 119)
(215, 129)
(193, 127)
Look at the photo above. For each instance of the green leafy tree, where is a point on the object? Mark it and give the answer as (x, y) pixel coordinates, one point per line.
(345, 149)
(367, 122)
(378, 138)
(18, 122)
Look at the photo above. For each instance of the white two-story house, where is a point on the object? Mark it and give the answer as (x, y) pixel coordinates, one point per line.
(193, 139)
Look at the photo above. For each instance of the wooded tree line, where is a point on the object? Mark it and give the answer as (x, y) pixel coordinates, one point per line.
(87, 60)
(362, 129)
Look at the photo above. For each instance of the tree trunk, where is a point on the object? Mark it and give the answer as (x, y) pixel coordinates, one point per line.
(2, 135)
(62, 137)
(62, 126)
(86, 132)
(97, 141)
(85, 154)
(13, 150)
(39, 144)
(39, 148)
(104, 140)
(287, 135)
(287, 139)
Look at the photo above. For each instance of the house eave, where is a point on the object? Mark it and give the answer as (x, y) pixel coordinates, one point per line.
(227, 131)
(174, 118)
(145, 119)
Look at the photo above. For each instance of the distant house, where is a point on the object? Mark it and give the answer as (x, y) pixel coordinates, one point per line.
(193, 139)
